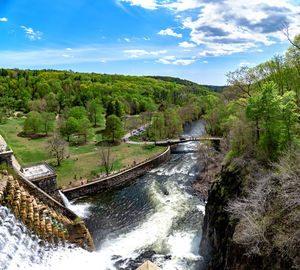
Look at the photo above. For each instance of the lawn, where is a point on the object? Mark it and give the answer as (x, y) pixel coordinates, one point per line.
(26, 150)
(84, 160)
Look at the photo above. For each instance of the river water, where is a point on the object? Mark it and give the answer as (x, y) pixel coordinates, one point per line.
(154, 217)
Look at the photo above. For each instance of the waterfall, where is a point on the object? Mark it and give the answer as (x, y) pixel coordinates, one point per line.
(81, 209)
(155, 217)
(65, 200)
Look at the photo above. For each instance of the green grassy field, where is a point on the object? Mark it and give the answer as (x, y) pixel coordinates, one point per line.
(84, 160)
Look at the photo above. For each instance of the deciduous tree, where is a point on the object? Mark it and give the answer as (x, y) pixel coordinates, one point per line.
(114, 128)
(57, 148)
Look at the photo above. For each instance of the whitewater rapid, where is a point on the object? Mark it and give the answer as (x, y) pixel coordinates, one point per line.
(157, 212)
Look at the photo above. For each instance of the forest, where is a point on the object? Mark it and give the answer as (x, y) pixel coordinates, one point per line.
(83, 99)
(63, 117)
(258, 115)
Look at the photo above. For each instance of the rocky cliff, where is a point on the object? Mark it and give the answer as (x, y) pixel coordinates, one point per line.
(223, 232)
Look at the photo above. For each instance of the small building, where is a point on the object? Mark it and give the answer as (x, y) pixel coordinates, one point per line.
(42, 175)
(5, 153)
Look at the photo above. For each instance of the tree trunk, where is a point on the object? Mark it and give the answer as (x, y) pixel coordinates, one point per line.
(257, 132)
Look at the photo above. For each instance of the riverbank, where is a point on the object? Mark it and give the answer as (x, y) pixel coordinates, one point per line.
(83, 162)
(100, 185)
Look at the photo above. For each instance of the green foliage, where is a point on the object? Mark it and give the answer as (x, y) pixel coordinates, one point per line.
(48, 122)
(69, 127)
(33, 123)
(158, 126)
(95, 111)
(149, 146)
(114, 128)
(173, 125)
(84, 127)
(77, 112)
(277, 116)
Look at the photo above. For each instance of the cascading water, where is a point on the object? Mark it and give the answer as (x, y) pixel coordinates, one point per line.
(154, 217)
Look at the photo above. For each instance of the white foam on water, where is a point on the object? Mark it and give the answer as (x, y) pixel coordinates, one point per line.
(201, 208)
(80, 209)
(182, 246)
(155, 228)
(158, 231)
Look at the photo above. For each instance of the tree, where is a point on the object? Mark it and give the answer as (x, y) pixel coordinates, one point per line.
(84, 127)
(57, 148)
(114, 128)
(69, 127)
(173, 126)
(95, 111)
(158, 126)
(106, 160)
(77, 112)
(33, 123)
(289, 116)
(135, 106)
(48, 119)
(52, 103)
(38, 105)
(243, 78)
(2, 115)
(265, 108)
(119, 108)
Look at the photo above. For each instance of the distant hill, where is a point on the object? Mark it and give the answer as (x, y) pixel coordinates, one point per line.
(216, 88)
(187, 83)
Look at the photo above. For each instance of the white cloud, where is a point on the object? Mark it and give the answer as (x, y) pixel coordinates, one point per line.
(205, 62)
(164, 61)
(68, 49)
(170, 57)
(169, 32)
(182, 5)
(67, 55)
(224, 27)
(127, 39)
(138, 53)
(184, 62)
(177, 5)
(147, 4)
(31, 34)
(186, 44)
(3, 19)
(171, 60)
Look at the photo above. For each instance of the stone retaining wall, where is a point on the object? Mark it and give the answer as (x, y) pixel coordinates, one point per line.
(47, 199)
(115, 180)
(5, 158)
(40, 213)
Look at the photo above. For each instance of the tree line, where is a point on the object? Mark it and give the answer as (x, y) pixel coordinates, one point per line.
(259, 110)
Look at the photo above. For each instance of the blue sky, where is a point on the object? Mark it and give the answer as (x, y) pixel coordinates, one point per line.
(198, 40)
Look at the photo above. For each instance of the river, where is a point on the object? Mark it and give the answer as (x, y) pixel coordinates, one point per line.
(154, 217)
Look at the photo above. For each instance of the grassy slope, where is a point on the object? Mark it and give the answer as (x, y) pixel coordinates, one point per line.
(84, 160)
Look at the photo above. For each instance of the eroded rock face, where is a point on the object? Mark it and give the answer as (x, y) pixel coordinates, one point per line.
(47, 223)
(217, 247)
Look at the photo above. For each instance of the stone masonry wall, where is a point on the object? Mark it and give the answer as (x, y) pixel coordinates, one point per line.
(116, 180)
(43, 219)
